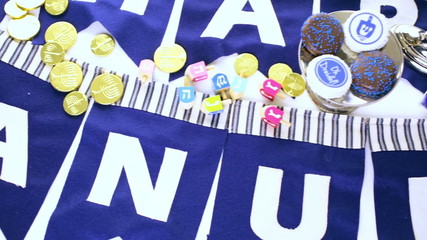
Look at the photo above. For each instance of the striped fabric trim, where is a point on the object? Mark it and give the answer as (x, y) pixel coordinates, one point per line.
(153, 97)
(23, 55)
(397, 134)
(242, 117)
(306, 126)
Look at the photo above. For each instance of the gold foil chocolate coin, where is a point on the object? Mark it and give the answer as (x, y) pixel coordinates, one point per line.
(278, 72)
(170, 58)
(246, 65)
(103, 44)
(56, 7)
(29, 4)
(66, 76)
(52, 53)
(13, 11)
(106, 88)
(294, 84)
(24, 28)
(75, 103)
(61, 32)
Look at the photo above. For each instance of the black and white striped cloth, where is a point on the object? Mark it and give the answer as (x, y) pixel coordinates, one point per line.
(241, 117)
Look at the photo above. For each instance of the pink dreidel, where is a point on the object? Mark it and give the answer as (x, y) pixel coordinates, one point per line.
(273, 116)
(197, 71)
(270, 88)
(146, 69)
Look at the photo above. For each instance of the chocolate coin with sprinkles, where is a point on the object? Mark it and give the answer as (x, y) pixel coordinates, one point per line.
(374, 75)
(322, 34)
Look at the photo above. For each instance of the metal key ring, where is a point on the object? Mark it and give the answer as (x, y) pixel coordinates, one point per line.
(413, 41)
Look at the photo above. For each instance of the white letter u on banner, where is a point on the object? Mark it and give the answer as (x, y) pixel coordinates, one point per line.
(265, 206)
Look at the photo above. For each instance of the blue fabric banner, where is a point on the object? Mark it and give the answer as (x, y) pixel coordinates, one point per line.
(137, 175)
(400, 194)
(280, 189)
(272, 32)
(35, 134)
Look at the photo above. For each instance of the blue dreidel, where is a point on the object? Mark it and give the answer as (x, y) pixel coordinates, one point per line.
(237, 87)
(198, 71)
(187, 95)
(221, 84)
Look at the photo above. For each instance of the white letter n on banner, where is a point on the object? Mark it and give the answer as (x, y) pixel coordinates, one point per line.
(265, 206)
(124, 152)
(14, 150)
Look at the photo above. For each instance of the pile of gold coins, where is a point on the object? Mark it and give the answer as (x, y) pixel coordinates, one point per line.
(67, 76)
(23, 25)
(108, 88)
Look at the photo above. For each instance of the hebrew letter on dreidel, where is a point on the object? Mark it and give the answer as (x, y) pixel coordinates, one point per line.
(187, 96)
(197, 71)
(212, 105)
(146, 69)
(270, 89)
(273, 116)
(238, 86)
(221, 84)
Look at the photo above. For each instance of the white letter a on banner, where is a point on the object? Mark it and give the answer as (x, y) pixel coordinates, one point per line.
(265, 206)
(124, 152)
(231, 13)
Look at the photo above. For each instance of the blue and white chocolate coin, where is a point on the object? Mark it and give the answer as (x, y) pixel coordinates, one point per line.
(366, 30)
(328, 76)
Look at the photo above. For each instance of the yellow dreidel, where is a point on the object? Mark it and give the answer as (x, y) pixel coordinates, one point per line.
(214, 105)
(273, 116)
(146, 69)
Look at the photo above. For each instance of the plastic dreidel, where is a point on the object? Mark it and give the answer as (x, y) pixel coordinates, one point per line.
(214, 105)
(270, 88)
(146, 69)
(187, 95)
(221, 84)
(273, 116)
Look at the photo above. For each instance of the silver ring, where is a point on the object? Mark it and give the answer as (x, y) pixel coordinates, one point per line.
(412, 40)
